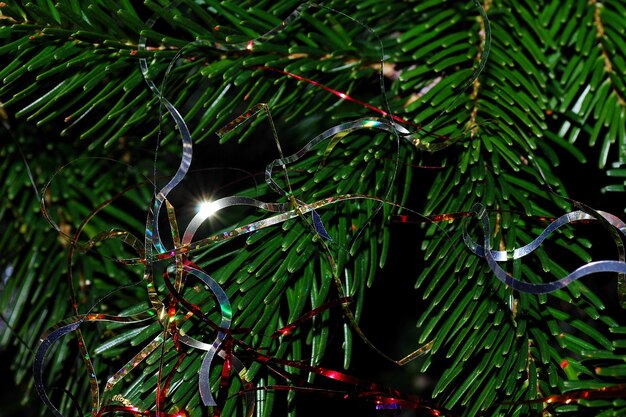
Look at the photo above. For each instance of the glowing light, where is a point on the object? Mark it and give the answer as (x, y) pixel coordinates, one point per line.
(207, 209)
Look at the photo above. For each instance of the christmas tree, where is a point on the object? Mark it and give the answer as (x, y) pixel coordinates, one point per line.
(236, 207)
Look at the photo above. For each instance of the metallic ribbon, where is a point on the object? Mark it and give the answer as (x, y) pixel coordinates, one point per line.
(493, 257)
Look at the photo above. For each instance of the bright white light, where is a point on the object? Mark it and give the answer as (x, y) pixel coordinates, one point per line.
(206, 209)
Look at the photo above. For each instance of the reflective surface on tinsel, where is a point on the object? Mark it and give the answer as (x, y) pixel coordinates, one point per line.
(178, 267)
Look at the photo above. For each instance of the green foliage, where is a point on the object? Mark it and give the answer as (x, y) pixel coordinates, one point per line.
(552, 86)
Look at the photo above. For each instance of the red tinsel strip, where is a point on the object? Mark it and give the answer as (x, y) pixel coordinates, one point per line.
(612, 392)
(227, 347)
(162, 393)
(354, 100)
(290, 327)
(382, 396)
(402, 218)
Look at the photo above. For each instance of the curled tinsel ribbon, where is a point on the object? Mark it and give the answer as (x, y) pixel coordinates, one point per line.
(493, 257)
